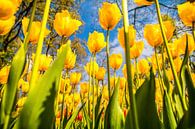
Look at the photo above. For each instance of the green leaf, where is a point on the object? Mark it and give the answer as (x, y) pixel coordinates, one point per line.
(146, 106)
(168, 115)
(187, 122)
(72, 118)
(98, 119)
(114, 117)
(16, 70)
(38, 111)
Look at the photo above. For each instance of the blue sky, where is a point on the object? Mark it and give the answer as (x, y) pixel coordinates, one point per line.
(89, 14)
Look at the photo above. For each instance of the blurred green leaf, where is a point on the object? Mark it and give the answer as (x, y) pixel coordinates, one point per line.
(40, 102)
(16, 70)
(146, 106)
(187, 122)
(114, 117)
(168, 115)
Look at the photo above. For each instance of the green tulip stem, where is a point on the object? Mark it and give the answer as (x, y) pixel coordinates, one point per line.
(132, 100)
(93, 91)
(27, 35)
(108, 62)
(40, 45)
(169, 55)
(89, 86)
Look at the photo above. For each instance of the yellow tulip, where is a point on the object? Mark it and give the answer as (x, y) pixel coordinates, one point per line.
(70, 59)
(136, 50)
(100, 74)
(169, 28)
(96, 42)
(7, 9)
(109, 15)
(65, 25)
(142, 2)
(77, 98)
(182, 43)
(152, 33)
(84, 87)
(132, 35)
(35, 31)
(122, 83)
(186, 12)
(4, 73)
(143, 66)
(174, 49)
(89, 68)
(116, 61)
(6, 25)
(124, 70)
(75, 78)
(44, 61)
(60, 98)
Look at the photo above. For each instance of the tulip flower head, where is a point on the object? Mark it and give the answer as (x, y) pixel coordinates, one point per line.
(143, 2)
(35, 31)
(75, 78)
(116, 61)
(96, 42)
(186, 12)
(4, 72)
(89, 68)
(6, 25)
(8, 8)
(109, 15)
(136, 50)
(65, 25)
(132, 35)
(100, 74)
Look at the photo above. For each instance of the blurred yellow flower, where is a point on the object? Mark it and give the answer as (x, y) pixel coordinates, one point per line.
(154, 63)
(152, 33)
(173, 47)
(109, 15)
(116, 61)
(76, 98)
(89, 68)
(186, 12)
(143, 66)
(100, 74)
(169, 74)
(75, 78)
(132, 35)
(96, 42)
(122, 83)
(60, 98)
(6, 25)
(182, 43)
(44, 61)
(142, 2)
(84, 87)
(136, 49)
(35, 31)
(4, 73)
(65, 25)
(70, 59)
(7, 9)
